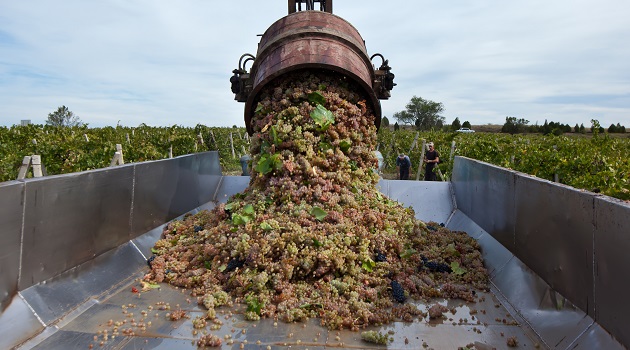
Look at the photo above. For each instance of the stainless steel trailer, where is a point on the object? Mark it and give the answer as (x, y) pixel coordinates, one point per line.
(75, 245)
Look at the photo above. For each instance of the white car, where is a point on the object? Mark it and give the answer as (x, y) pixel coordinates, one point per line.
(467, 130)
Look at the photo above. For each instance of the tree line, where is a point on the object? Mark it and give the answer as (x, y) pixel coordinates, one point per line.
(519, 126)
(426, 115)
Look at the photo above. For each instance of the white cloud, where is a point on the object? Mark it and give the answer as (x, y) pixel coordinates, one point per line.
(165, 63)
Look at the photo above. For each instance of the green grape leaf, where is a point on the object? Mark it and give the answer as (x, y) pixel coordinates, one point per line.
(264, 146)
(458, 270)
(207, 264)
(317, 243)
(222, 268)
(325, 146)
(344, 145)
(322, 117)
(318, 213)
(253, 304)
(368, 265)
(264, 165)
(249, 209)
(451, 250)
(154, 251)
(240, 219)
(269, 163)
(274, 135)
(265, 226)
(316, 97)
(408, 253)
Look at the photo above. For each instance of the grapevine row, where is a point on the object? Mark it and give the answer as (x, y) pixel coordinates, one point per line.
(598, 164)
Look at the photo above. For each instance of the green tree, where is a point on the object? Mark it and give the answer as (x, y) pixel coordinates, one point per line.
(404, 117)
(467, 125)
(63, 117)
(595, 127)
(515, 126)
(456, 124)
(424, 114)
(384, 122)
(612, 129)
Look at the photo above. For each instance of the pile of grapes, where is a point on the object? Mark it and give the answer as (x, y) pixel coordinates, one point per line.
(312, 236)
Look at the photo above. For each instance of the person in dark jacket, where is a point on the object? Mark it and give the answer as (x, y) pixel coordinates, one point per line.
(403, 164)
(431, 157)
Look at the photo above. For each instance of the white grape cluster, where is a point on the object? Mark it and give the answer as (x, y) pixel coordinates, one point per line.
(312, 236)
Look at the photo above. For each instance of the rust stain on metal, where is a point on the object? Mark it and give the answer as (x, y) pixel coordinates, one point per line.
(312, 40)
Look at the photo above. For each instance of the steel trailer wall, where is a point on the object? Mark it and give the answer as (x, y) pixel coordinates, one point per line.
(576, 241)
(40, 216)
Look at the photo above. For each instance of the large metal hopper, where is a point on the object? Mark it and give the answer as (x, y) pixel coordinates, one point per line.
(75, 246)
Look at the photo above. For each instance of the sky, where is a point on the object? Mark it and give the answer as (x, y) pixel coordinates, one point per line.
(163, 63)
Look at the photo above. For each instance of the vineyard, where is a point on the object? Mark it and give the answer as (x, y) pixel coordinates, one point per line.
(599, 164)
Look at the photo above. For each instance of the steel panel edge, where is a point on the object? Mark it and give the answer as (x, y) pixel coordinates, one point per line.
(17, 323)
(485, 193)
(554, 237)
(57, 297)
(70, 219)
(495, 255)
(555, 320)
(431, 200)
(612, 244)
(165, 189)
(11, 202)
(209, 173)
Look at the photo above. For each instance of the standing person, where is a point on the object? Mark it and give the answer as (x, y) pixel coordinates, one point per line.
(431, 157)
(403, 164)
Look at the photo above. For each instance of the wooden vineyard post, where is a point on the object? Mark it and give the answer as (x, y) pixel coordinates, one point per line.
(413, 144)
(35, 161)
(424, 143)
(452, 155)
(556, 178)
(118, 156)
(214, 141)
(24, 167)
(232, 145)
(170, 151)
(437, 167)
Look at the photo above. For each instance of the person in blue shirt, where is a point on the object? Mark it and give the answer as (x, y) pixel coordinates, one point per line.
(403, 164)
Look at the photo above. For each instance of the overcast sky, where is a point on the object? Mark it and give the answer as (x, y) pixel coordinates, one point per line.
(169, 62)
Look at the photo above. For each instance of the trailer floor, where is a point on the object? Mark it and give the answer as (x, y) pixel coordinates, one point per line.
(486, 324)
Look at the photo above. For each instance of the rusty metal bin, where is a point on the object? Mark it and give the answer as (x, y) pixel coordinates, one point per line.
(313, 40)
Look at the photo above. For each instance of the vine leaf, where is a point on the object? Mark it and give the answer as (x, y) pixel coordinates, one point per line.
(322, 117)
(316, 98)
(318, 213)
(368, 265)
(458, 270)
